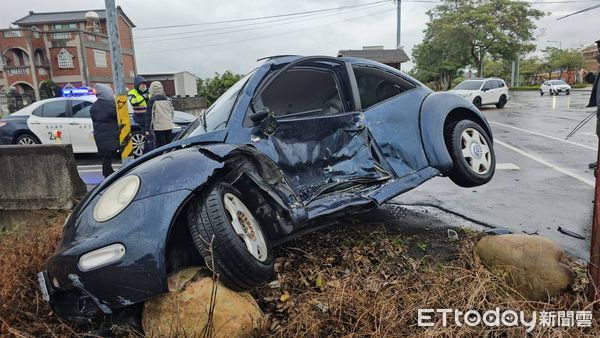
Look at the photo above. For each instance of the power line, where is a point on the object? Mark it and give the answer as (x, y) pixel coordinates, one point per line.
(263, 17)
(580, 11)
(306, 17)
(267, 36)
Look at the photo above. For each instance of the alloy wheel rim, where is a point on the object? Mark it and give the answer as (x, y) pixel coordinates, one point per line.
(246, 226)
(26, 141)
(137, 141)
(476, 151)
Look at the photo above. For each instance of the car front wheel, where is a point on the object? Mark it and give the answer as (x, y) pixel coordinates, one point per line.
(477, 102)
(541, 92)
(227, 233)
(472, 154)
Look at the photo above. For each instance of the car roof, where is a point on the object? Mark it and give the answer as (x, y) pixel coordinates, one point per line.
(28, 110)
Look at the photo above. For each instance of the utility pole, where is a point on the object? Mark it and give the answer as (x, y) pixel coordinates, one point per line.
(123, 119)
(594, 263)
(398, 24)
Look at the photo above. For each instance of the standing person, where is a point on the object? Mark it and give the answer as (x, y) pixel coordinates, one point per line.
(138, 97)
(161, 110)
(106, 129)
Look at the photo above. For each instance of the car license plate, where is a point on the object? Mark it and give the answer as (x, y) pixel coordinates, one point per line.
(43, 287)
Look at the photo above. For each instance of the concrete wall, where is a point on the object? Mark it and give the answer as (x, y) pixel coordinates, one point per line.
(192, 105)
(38, 177)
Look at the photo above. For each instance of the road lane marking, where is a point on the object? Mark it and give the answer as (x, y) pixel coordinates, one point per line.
(507, 166)
(548, 164)
(544, 135)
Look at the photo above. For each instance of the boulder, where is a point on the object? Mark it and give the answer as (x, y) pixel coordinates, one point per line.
(184, 310)
(534, 266)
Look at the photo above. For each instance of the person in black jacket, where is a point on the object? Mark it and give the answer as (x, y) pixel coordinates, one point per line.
(106, 130)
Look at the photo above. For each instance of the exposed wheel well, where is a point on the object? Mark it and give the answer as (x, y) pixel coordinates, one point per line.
(180, 250)
(24, 132)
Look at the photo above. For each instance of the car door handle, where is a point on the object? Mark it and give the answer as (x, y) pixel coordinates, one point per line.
(74, 123)
(35, 122)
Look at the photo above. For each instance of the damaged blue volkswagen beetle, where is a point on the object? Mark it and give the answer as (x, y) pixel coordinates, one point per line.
(297, 141)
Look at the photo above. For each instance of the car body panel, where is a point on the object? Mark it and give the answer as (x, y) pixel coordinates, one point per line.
(308, 167)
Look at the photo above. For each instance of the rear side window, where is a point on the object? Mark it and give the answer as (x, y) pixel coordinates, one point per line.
(81, 108)
(500, 84)
(303, 92)
(375, 85)
(55, 109)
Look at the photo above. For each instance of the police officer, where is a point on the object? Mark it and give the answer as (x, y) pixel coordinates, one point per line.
(138, 97)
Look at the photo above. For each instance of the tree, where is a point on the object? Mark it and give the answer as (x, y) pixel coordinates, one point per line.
(500, 29)
(530, 67)
(213, 88)
(565, 59)
(49, 89)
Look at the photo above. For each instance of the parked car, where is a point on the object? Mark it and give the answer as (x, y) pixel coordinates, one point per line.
(484, 92)
(555, 87)
(67, 120)
(296, 140)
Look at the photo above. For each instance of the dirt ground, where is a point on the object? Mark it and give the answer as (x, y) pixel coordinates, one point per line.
(365, 276)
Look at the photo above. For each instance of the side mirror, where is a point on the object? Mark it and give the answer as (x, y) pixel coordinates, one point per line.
(260, 115)
(485, 89)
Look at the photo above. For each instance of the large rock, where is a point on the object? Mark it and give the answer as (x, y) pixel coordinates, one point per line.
(535, 266)
(184, 310)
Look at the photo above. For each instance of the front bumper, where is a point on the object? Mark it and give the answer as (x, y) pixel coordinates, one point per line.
(139, 275)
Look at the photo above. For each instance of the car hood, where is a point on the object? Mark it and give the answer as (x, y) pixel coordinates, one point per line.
(463, 92)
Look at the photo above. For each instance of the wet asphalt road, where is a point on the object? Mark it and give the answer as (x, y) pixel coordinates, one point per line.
(549, 185)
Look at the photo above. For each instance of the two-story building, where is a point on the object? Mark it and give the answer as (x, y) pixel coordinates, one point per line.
(69, 48)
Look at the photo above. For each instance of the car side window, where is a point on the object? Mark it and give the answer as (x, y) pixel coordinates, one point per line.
(55, 109)
(80, 108)
(500, 84)
(375, 86)
(303, 91)
(487, 85)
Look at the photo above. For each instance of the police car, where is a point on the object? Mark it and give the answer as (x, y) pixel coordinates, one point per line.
(66, 120)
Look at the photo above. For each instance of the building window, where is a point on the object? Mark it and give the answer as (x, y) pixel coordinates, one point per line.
(65, 59)
(100, 58)
(61, 36)
(65, 26)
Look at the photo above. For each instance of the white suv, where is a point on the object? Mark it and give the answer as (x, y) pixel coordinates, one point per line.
(554, 87)
(483, 92)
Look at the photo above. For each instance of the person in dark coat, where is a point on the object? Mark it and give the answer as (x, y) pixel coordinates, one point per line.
(106, 129)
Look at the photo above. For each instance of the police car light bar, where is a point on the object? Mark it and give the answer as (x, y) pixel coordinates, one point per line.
(81, 91)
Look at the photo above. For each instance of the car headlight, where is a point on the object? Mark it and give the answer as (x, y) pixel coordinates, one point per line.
(116, 198)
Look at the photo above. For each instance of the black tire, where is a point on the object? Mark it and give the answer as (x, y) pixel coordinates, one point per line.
(27, 139)
(541, 92)
(501, 102)
(569, 92)
(462, 174)
(477, 102)
(208, 219)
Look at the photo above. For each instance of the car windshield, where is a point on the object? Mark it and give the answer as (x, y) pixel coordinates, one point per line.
(469, 85)
(558, 82)
(217, 115)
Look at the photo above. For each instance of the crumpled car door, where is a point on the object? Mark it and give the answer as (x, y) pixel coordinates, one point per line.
(324, 154)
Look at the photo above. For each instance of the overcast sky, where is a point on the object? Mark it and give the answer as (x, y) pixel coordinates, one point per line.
(236, 46)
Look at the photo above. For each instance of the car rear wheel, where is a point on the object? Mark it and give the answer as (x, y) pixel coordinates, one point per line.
(568, 92)
(138, 139)
(241, 251)
(472, 154)
(27, 139)
(477, 102)
(501, 102)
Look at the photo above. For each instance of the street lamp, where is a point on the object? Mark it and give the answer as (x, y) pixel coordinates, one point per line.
(556, 41)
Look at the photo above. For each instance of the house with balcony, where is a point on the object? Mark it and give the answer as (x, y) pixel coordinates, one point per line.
(69, 48)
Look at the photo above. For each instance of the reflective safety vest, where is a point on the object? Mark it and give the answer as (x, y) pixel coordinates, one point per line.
(137, 100)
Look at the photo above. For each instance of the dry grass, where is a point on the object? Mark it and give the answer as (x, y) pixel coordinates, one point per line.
(350, 280)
